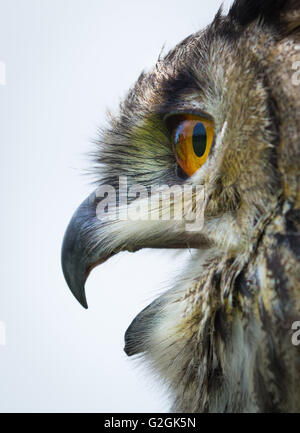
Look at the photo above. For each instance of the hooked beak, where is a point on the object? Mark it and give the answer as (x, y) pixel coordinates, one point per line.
(89, 242)
(77, 258)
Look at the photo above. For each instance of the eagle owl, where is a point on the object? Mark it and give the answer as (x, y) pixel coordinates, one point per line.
(218, 117)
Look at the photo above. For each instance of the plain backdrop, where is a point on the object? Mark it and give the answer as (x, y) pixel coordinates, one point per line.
(66, 61)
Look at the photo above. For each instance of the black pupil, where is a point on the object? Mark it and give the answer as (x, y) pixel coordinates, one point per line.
(199, 139)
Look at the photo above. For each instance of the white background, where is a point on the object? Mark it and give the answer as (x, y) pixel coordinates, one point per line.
(66, 62)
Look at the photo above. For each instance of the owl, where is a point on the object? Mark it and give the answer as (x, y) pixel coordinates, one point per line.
(204, 154)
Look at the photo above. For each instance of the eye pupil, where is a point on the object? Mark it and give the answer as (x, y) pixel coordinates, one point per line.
(199, 139)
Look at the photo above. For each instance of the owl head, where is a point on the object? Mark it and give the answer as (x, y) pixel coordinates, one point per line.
(204, 153)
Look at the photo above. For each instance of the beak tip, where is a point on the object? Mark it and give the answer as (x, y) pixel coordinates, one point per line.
(84, 304)
(82, 300)
(77, 290)
(79, 294)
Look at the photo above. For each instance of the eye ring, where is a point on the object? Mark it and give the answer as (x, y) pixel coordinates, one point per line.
(179, 172)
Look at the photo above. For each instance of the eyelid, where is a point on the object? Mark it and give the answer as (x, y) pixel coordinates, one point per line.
(178, 113)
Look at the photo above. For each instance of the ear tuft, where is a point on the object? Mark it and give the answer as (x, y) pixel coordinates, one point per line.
(284, 14)
(291, 16)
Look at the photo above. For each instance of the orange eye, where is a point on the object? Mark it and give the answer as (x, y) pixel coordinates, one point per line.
(192, 137)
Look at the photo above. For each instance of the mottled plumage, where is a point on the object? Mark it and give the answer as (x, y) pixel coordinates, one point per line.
(221, 338)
